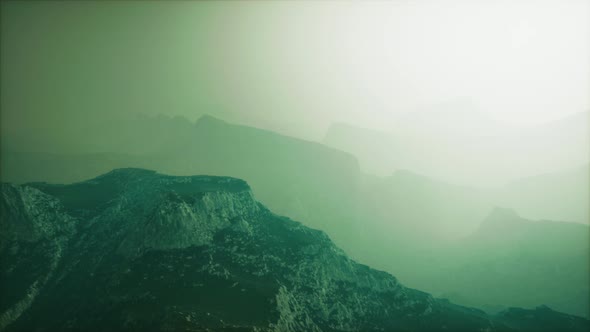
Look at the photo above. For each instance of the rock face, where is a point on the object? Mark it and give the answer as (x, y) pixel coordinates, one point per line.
(35, 234)
(304, 180)
(137, 250)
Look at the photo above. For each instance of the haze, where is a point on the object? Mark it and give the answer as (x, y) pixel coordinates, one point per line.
(290, 67)
(446, 143)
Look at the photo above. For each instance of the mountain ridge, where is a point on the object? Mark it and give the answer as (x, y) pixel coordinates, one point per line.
(244, 268)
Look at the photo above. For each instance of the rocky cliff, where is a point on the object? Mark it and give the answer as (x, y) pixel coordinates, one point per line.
(137, 250)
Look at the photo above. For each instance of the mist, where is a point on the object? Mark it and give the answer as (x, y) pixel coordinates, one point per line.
(445, 143)
(295, 68)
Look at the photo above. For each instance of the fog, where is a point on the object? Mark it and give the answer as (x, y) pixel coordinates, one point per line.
(447, 143)
(291, 67)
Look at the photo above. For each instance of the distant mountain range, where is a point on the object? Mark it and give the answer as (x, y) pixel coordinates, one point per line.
(428, 234)
(542, 172)
(420, 211)
(467, 148)
(385, 222)
(530, 261)
(561, 195)
(437, 210)
(135, 250)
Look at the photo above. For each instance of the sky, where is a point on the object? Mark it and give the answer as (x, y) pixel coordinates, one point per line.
(294, 67)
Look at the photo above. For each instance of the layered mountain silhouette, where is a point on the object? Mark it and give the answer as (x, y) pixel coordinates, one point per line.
(466, 147)
(302, 179)
(530, 261)
(559, 192)
(379, 152)
(555, 196)
(402, 223)
(441, 237)
(433, 209)
(135, 250)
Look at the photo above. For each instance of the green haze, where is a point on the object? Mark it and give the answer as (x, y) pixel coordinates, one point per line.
(447, 145)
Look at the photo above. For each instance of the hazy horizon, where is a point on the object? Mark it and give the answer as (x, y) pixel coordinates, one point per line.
(294, 68)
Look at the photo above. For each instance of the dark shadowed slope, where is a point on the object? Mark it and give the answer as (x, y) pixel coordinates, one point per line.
(136, 250)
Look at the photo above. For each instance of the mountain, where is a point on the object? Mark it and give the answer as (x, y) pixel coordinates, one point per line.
(301, 179)
(464, 146)
(450, 240)
(408, 215)
(534, 261)
(136, 250)
(378, 152)
(554, 196)
(558, 192)
(385, 222)
(435, 209)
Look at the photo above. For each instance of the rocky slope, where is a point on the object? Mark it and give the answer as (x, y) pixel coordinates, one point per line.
(306, 181)
(137, 250)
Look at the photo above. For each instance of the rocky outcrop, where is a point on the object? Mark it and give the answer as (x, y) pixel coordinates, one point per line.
(140, 250)
(35, 231)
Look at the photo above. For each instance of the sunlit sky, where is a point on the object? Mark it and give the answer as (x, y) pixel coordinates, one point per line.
(294, 66)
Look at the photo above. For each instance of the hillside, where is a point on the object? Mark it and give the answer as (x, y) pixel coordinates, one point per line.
(134, 249)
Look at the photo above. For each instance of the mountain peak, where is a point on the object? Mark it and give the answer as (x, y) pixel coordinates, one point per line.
(127, 172)
(502, 214)
(209, 119)
(500, 220)
(197, 182)
(139, 187)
